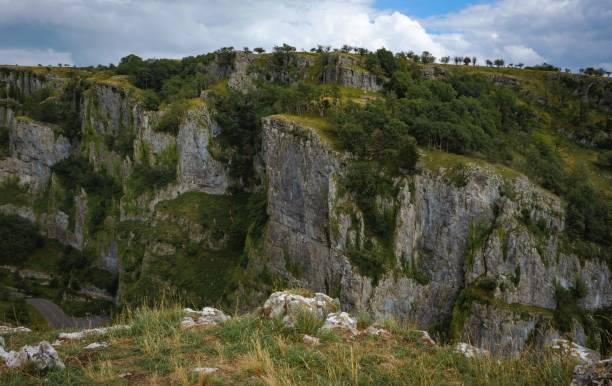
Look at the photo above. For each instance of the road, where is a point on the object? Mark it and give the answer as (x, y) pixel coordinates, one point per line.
(57, 318)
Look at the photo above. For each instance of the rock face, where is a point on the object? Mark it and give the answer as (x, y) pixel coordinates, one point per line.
(451, 236)
(34, 148)
(345, 71)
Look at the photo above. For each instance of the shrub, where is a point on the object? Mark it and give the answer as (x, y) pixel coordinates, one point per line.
(172, 118)
(19, 238)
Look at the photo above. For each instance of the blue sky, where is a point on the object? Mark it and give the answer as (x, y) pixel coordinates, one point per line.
(567, 33)
(425, 8)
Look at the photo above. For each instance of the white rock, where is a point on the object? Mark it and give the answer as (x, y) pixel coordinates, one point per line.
(311, 340)
(340, 321)
(571, 349)
(470, 351)
(209, 316)
(287, 305)
(78, 335)
(425, 338)
(375, 331)
(5, 330)
(95, 345)
(205, 370)
(43, 356)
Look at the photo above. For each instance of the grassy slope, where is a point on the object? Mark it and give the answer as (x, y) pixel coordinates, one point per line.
(252, 350)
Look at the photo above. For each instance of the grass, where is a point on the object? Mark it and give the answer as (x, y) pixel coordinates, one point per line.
(251, 350)
(320, 125)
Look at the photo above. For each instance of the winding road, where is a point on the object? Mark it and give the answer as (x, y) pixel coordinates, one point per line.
(57, 318)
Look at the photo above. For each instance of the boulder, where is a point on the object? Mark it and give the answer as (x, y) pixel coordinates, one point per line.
(209, 316)
(470, 351)
(43, 356)
(287, 305)
(582, 354)
(340, 321)
(598, 373)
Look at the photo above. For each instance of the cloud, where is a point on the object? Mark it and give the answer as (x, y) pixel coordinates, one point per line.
(569, 33)
(565, 32)
(100, 31)
(34, 57)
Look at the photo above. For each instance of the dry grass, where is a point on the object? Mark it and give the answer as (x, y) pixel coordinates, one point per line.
(251, 350)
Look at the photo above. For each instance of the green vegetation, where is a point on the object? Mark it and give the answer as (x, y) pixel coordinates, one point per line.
(172, 117)
(205, 270)
(18, 237)
(13, 193)
(4, 142)
(102, 191)
(23, 247)
(251, 350)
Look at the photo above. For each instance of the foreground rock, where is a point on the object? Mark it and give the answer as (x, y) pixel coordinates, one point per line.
(209, 316)
(424, 337)
(43, 356)
(288, 306)
(78, 335)
(311, 340)
(6, 330)
(582, 354)
(470, 351)
(341, 321)
(96, 345)
(598, 373)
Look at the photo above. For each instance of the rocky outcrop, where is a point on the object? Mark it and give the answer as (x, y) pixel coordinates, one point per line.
(450, 234)
(345, 70)
(198, 170)
(209, 316)
(18, 84)
(596, 374)
(288, 306)
(42, 356)
(34, 148)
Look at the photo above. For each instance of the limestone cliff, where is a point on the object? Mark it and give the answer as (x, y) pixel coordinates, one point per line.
(449, 237)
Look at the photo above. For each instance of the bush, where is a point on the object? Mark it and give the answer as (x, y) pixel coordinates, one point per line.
(19, 238)
(172, 118)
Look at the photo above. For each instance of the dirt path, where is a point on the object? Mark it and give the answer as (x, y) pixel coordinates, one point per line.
(57, 318)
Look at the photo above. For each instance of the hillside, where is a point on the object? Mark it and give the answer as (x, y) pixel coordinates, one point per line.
(472, 202)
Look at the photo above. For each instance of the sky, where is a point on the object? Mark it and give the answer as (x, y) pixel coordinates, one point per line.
(568, 33)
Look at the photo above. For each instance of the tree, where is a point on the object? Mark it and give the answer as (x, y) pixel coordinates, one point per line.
(427, 58)
(259, 50)
(489, 63)
(346, 49)
(520, 65)
(458, 59)
(246, 49)
(473, 60)
(467, 61)
(499, 62)
(445, 59)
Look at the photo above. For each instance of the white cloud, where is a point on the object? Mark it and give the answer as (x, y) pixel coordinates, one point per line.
(99, 31)
(565, 32)
(569, 33)
(34, 57)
